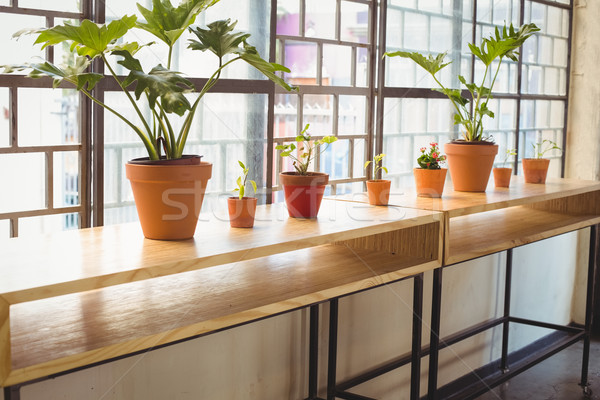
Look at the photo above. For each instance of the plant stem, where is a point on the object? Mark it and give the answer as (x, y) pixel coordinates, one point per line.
(138, 111)
(147, 143)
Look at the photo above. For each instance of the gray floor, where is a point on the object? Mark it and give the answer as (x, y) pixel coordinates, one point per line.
(556, 378)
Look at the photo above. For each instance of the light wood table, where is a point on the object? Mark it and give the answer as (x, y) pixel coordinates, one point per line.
(77, 298)
(480, 224)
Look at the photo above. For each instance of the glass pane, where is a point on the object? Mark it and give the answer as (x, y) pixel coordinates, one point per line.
(5, 2)
(48, 116)
(320, 15)
(352, 115)
(288, 17)
(354, 22)
(4, 118)
(301, 59)
(286, 115)
(66, 179)
(19, 51)
(32, 226)
(337, 64)
(55, 5)
(318, 112)
(359, 159)
(24, 188)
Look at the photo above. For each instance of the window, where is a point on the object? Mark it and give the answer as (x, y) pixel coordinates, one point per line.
(67, 163)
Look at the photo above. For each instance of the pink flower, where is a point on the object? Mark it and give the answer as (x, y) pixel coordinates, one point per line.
(423, 149)
(434, 155)
(433, 144)
(428, 164)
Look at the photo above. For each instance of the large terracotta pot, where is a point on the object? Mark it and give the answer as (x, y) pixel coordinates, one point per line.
(430, 182)
(502, 176)
(535, 169)
(470, 164)
(168, 196)
(378, 191)
(241, 211)
(303, 193)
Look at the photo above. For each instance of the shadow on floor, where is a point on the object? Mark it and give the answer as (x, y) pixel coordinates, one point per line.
(556, 378)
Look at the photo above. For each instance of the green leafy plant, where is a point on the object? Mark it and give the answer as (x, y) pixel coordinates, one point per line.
(507, 154)
(504, 43)
(377, 165)
(307, 148)
(242, 180)
(432, 158)
(541, 148)
(163, 88)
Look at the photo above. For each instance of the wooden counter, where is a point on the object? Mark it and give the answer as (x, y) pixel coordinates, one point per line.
(80, 297)
(478, 224)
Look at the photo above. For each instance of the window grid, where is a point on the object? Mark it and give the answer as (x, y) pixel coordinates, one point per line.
(72, 210)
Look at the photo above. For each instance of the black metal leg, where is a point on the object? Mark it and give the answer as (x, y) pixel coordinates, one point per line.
(434, 341)
(505, 324)
(313, 355)
(12, 392)
(417, 325)
(588, 308)
(332, 356)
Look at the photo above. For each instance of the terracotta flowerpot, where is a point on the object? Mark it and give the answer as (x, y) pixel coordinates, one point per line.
(430, 182)
(168, 196)
(303, 193)
(241, 211)
(502, 176)
(470, 164)
(535, 169)
(378, 191)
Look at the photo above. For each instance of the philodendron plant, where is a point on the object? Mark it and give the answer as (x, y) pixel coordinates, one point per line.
(504, 43)
(163, 89)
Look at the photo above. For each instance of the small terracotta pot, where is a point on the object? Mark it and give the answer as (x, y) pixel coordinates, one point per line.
(535, 169)
(168, 197)
(430, 182)
(303, 193)
(502, 177)
(241, 211)
(378, 191)
(470, 164)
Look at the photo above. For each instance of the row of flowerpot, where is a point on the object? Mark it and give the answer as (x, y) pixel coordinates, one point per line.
(169, 198)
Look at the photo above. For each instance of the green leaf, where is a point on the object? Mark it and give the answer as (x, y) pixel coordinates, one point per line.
(74, 74)
(430, 63)
(167, 22)
(89, 39)
(453, 94)
(220, 39)
(504, 43)
(242, 165)
(160, 82)
(254, 186)
(367, 164)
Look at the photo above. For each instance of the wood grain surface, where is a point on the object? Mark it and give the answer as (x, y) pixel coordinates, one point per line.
(64, 332)
(476, 235)
(462, 203)
(87, 259)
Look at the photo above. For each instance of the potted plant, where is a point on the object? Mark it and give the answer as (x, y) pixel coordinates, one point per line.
(430, 176)
(378, 190)
(303, 189)
(241, 208)
(470, 159)
(168, 185)
(502, 174)
(535, 169)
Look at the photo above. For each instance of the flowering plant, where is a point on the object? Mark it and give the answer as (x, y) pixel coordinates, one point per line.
(309, 149)
(431, 159)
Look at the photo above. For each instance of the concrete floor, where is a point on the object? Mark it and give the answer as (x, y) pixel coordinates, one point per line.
(556, 378)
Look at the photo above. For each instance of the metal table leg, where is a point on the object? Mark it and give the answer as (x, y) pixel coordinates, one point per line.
(434, 341)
